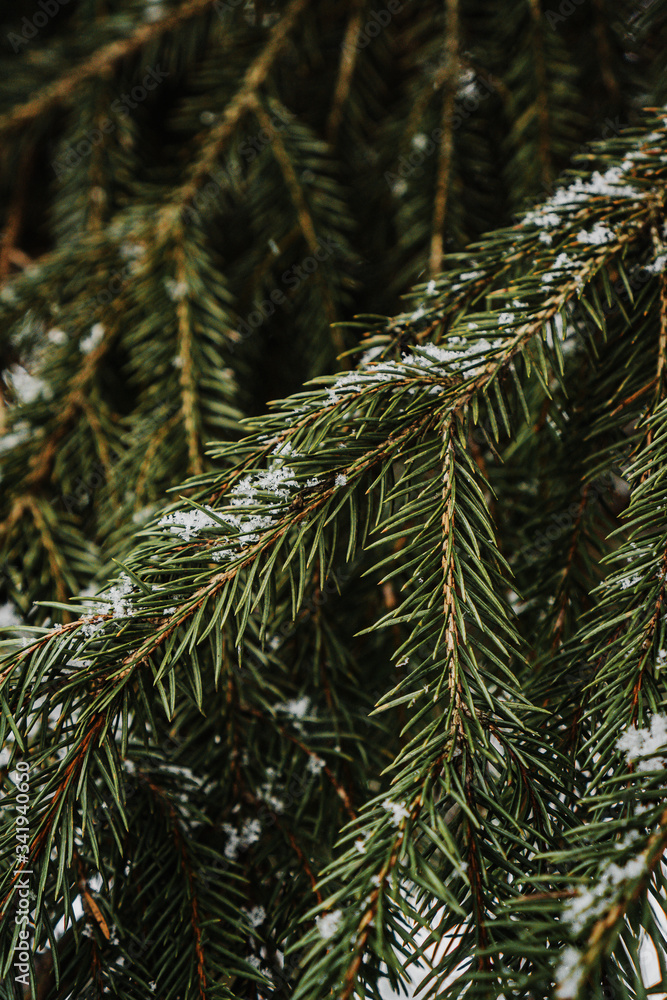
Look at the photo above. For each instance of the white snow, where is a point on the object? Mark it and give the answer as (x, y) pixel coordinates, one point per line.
(176, 290)
(315, 764)
(118, 603)
(329, 923)
(646, 743)
(256, 916)
(187, 523)
(298, 708)
(240, 840)
(397, 810)
(658, 264)
(93, 340)
(27, 387)
(8, 616)
(569, 974)
(598, 235)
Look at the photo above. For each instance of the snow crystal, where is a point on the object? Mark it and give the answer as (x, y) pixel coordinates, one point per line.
(459, 360)
(176, 290)
(221, 555)
(56, 336)
(93, 340)
(26, 387)
(547, 219)
(661, 658)
(118, 603)
(397, 810)
(256, 916)
(505, 318)
(470, 275)
(16, 437)
(186, 523)
(278, 481)
(315, 764)
(131, 251)
(467, 85)
(341, 479)
(329, 923)
(611, 184)
(265, 794)
(240, 841)
(598, 235)
(153, 10)
(637, 743)
(430, 288)
(569, 974)
(418, 313)
(563, 262)
(91, 626)
(420, 141)
(658, 264)
(592, 902)
(298, 708)
(355, 381)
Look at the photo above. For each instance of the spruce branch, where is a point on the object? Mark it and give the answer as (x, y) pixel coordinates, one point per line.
(100, 64)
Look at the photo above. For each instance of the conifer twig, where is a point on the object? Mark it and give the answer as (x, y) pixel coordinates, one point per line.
(446, 151)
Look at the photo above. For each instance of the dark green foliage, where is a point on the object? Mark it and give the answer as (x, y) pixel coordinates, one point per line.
(339, 640)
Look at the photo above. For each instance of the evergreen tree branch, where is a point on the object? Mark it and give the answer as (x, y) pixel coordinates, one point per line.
(100, 64)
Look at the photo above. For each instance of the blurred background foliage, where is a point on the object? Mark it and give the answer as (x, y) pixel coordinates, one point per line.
(170, 261)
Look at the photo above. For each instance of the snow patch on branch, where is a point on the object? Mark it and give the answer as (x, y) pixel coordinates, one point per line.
(658, 265)
(27, 388)
(397, 809)
(241, 840)
(569, 974)
(646, 743)
(598, 235)
(329, 923)
(93, 340)
(186, 523)
(118, 604)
